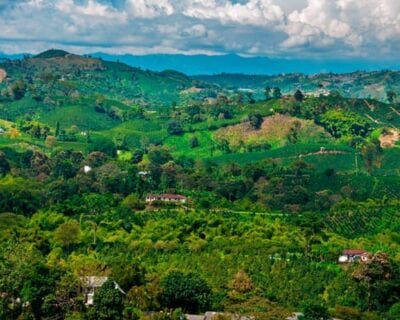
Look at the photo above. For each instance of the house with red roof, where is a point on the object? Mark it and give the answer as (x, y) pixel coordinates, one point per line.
(166, 197)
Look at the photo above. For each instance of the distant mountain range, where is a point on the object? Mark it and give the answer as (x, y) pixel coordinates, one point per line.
(209, 65)
(203, 64)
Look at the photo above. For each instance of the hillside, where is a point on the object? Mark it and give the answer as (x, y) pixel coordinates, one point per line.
(374, 85)
(256, 196)
(276, 131)
(59, 73)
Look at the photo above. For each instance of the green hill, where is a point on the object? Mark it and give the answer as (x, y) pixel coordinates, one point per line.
(274, 188)
(56, 74)
(374, 85)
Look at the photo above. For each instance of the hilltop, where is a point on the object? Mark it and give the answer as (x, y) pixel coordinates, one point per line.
(62, 72)
(52, 53)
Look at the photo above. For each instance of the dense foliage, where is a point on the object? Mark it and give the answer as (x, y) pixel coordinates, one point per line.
(277, 188)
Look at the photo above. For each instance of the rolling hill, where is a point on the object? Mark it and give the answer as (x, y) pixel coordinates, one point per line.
(374, 85)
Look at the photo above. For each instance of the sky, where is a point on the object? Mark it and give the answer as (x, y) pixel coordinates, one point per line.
(315, 29)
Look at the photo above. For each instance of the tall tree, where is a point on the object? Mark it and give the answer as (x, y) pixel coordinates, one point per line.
(391, 96)
(299, 96)
(276, 93)
(267, 92)
(187, 291)
(255, 120)
(108, 303)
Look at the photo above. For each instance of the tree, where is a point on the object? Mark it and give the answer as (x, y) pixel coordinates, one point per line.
(38, 284)
(126, 273)
(241, 282)
(267, 93)
(159, 155)
(193, 142)
(391, 96)
(35, 131)
(4, 165)
(394, 312)
(378, 281)
(137, 156)
(108, 303)
(299, 96)
(294, 131)
(57, 133)
(133, 202)
(372, 154)
(175, 128)
(50, 142)
(18, 90)
(104, 145)
(315, 311)
(256, 120)
(250, 97)
(187, 291)
(276, 93)
(68, 233)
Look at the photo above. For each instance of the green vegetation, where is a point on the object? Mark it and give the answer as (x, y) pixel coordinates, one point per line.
(277, 187)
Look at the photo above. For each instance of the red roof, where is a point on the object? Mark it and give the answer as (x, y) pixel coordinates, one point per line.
(352, 252)
(168, 196)
(173, 196)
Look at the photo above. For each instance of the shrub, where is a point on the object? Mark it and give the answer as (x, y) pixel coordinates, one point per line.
(187, 291)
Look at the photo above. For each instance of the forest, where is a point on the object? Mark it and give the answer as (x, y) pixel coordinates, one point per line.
(277, 185)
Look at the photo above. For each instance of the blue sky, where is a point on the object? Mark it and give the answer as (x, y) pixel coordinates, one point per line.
(316, 29)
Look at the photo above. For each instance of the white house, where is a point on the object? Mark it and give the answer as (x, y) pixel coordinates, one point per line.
(87, 169)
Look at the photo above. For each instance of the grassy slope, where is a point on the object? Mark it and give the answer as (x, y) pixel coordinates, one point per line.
(118, 81)
(82, 116)
(274, 130)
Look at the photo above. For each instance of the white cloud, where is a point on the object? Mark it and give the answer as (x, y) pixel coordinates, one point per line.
(274, 27)
(150, 8)
(253, 12)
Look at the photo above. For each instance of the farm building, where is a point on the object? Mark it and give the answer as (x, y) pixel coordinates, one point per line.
(354, 255)
(166, 197)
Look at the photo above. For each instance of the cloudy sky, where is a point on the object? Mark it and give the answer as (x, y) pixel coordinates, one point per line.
(278, 28)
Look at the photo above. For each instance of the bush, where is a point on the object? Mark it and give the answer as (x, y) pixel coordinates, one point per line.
(314, 311)
(187, 291)
(347, 313)
(175, 128)
(103, 145)
(394, 312)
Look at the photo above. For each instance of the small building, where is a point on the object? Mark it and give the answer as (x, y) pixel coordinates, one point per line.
(166, 197)
(87, 169)
(91, 283)
(354, 255)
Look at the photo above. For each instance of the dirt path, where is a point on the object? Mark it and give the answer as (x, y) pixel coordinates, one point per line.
(395, 111)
